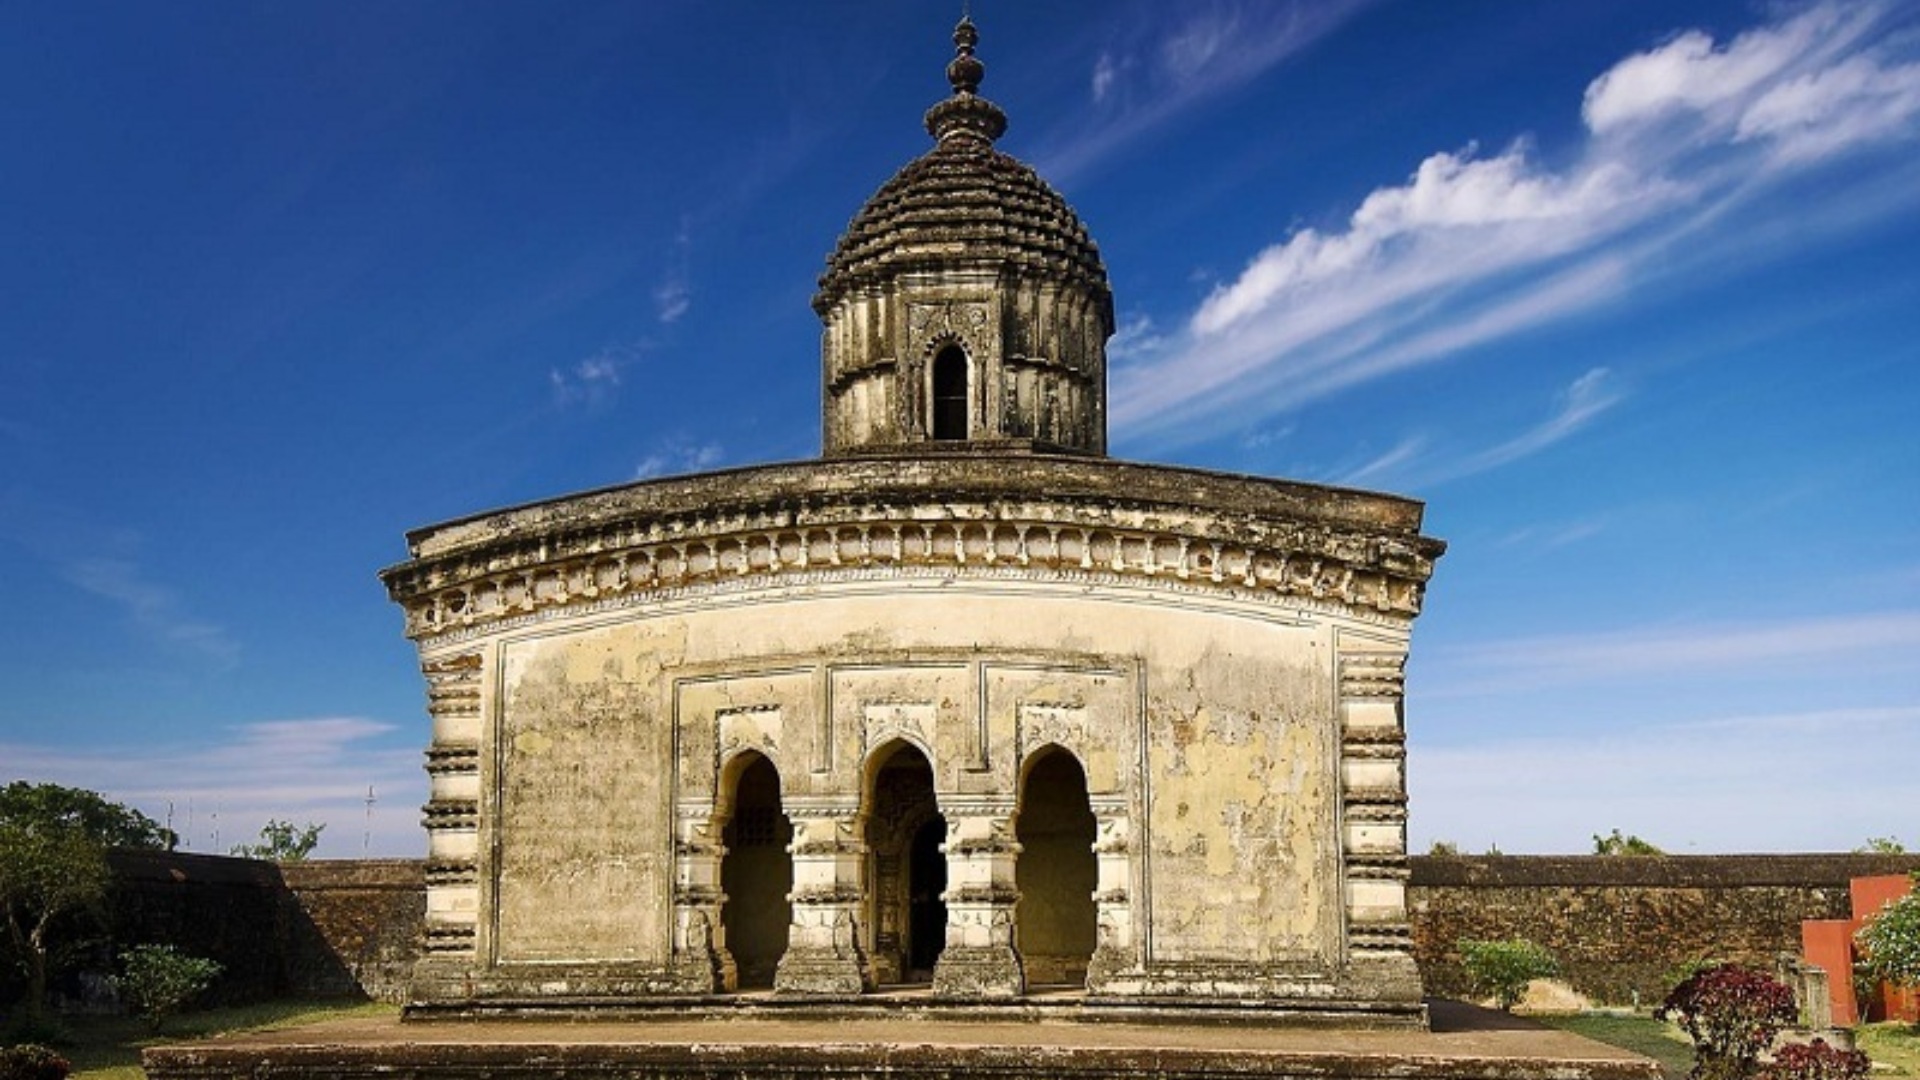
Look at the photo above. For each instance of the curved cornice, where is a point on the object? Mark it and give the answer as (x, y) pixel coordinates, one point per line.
(1044, 513)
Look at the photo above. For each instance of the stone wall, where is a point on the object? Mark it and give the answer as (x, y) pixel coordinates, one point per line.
(319, 928)
(1621, 925)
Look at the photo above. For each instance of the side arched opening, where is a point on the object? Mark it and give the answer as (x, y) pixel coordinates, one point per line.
(757, 872)
(1054, 922)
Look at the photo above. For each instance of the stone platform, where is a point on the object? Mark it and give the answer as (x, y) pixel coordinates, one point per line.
(1465, 1043)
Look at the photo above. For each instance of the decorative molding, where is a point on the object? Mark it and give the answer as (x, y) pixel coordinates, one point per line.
(1373, 675)
(492, 601)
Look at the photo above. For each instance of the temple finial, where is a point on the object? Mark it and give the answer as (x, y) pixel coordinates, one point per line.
(966, 114)
(966, 70)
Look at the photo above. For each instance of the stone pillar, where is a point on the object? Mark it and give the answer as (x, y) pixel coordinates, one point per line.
(452, 818)
(825, 955)
(1373, 784)
(701, 962)
(979, 960)
(1115, 954)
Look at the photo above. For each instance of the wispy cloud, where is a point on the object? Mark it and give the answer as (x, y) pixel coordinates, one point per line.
(1708, 785)
(1714, 649)
(1682, 142)
(678, 454)
(1162, 70)
(673, 296)
(219, 793)
(1412, 463)
(153, 609)
(595, 380)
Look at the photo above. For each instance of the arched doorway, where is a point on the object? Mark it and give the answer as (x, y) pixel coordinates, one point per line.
(907, 870)
(950, 393)
(757, 872)
(1054, 922)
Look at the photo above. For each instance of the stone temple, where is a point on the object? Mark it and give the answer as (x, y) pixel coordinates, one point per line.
(964, 705)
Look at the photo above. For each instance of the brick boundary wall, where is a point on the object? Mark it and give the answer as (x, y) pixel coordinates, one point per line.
(1619, 925)
(317, 929)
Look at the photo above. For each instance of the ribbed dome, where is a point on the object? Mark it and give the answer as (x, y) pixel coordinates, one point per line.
(962, 203)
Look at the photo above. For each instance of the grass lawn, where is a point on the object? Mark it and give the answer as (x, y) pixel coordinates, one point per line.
(1897, 1045)
(1641, 1034)
(1894, 1048)
(108, 1047)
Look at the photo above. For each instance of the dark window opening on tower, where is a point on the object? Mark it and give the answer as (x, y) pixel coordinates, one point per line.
(950, 394)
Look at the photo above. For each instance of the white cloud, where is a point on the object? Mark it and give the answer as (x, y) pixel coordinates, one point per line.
(1686, 142)
(1701, 650)
(1213, 47)
(1709, 785)
(1105, 71)
(217, 795)
(1133, 339)
(677, 455)
(671, 300)
(594, 381)
(1411, 463)
(153, 609)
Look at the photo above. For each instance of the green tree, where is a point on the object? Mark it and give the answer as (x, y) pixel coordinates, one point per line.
(281, 841)
(1881, 845)
(53, 869)
(1616, 844)
(108, 823)
(1890, 941)
(1504, 968)
(158, 980)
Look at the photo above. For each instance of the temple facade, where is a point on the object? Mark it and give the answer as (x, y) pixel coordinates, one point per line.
(963, 704)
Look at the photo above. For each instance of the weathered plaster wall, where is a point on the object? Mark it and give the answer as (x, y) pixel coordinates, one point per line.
(1620, 925)
(1214, 723)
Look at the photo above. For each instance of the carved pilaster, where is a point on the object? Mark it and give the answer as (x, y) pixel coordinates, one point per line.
(1373, 783)
(979, 960)
(1115, 953)
(452, 813)
(824, 952)
(701, 961)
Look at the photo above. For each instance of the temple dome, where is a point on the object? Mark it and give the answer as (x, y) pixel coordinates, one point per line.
(965, 308)
(962, 201)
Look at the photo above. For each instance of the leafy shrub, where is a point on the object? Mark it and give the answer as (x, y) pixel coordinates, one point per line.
(1890, 941)
(1732, 1015)
(160, 980)
(1616, 844)
(1504, 968)
(31, 1061)
(1816, 1061)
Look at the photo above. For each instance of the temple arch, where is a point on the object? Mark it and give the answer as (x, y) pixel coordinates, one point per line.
(906, 866)
(756, 874)
(1054, 920)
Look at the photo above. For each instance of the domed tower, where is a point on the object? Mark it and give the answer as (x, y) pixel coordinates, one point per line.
(965, 308)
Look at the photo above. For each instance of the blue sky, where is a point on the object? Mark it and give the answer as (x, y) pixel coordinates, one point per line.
(1627, 292)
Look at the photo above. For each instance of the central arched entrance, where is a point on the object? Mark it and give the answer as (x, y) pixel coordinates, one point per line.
(1055, 924)
(907, 871)
(757, 872)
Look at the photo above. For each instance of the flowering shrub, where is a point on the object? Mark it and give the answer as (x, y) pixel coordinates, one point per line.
(1816, 1061)
(1732, 1014)
(1504, 968)
(30, 1061)
(1891, 941)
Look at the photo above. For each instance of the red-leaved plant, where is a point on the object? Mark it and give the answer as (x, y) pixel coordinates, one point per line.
(1732, 1014)
(1816, 1061)
(30, 1061)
